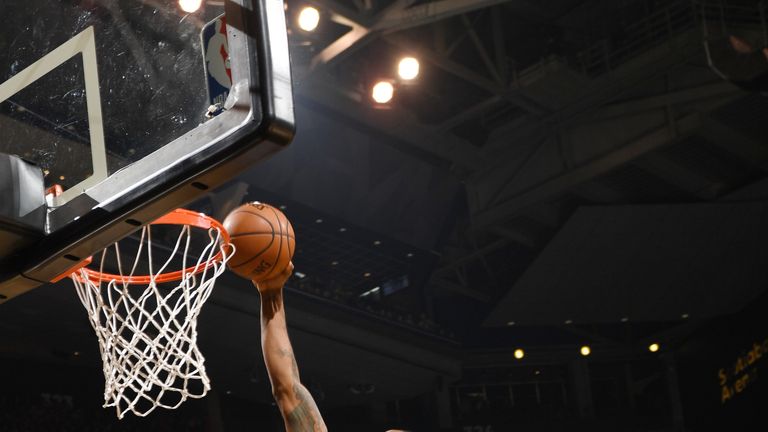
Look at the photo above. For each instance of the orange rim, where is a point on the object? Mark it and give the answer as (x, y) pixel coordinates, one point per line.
(176, 217)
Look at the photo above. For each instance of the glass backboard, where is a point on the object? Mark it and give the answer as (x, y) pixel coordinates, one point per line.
(134, 107)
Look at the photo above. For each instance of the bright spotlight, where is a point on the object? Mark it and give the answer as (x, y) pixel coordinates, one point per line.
(382, 92)
(654, 347)
(190, 6)
(585, 351)
(408, 68)
(309, 18)
(519, 353)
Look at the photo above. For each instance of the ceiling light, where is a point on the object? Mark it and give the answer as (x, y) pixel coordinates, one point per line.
(510, 323)
(408, 68)
(190, 6)
(654, 347)
(318, 221)
(568, 322)
(409, 254)
(383, 92)
(376, 242)
(366, 274)
(586, 350)
(370, 291)
(300, 275)
(342, 229)
(283, 207)
(625, 319)
(333, 263)
(519, 353)
(684, 316)
(309, 18)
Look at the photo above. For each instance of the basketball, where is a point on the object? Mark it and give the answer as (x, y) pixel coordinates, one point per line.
(263, 238)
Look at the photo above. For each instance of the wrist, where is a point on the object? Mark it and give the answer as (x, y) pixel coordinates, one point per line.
(269, 287)
(271, 303)
(271, 293)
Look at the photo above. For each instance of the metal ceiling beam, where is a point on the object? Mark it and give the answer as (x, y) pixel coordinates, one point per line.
(717, 89)
(531, 130)
(397, 17)
(360, 33)
(512, 206)
(499, 45)
(440, 37)
(357, 36)
(337, 10)
(340, 46)
(394, 123)
(428, 13)
(400, 17)
(470, 113)
(481, 51)
(516, 236)
(623, 79)
(448, 51)
(449, 65)
(680, 176)
(463, 72)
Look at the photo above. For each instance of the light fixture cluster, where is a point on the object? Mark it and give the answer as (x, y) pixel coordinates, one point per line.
(382, 91)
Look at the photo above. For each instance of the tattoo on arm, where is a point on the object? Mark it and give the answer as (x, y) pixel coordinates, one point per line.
(305, 416)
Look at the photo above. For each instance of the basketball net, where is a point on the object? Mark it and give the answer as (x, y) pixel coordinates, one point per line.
(147, 330)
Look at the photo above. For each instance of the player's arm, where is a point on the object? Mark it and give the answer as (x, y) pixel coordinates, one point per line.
(294, 400)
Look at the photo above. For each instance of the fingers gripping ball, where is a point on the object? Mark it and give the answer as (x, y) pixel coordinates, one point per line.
(263, 238)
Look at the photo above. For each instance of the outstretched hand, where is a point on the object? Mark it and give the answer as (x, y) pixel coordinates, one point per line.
(276, 283)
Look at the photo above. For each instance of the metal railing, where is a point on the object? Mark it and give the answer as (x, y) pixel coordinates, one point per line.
(714, 16)
(653, 30)
(718, 18)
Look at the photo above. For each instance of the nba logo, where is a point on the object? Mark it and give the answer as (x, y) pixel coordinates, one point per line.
(216, 58)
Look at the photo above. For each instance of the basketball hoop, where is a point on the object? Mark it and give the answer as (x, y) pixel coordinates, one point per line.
(147, 324)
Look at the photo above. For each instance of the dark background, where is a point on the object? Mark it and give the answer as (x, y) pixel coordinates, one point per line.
(562, 174)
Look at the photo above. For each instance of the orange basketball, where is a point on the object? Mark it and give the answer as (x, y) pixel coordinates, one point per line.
(263, 239)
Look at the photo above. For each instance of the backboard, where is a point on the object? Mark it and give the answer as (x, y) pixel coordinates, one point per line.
(135, 108)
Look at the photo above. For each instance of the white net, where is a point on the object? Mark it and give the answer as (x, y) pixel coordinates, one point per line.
(148, 334)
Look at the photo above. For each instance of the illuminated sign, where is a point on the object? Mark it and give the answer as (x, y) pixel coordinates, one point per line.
(744, 372)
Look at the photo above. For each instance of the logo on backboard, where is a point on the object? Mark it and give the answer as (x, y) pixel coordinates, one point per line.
(216, 55)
